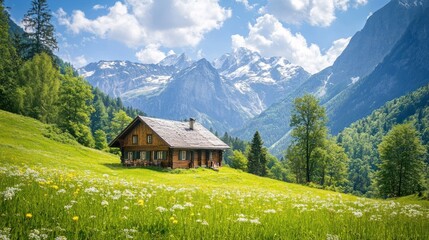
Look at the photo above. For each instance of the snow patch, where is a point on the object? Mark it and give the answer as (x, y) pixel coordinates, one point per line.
(354, 79)
(88, 74)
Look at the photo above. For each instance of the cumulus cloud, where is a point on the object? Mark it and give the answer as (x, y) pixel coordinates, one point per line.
(98, 7)
(246, 4)
(138, 23)
(151, 54)
(314, 12)
(79, 61)
(268, 37)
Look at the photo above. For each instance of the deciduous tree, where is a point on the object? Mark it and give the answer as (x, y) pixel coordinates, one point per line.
(309, 129)
(402, 162)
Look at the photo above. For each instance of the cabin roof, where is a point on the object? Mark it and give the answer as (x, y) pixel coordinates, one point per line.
(177, 134)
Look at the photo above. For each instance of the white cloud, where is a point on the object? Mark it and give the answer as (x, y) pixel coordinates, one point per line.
(246, 4)
(150, 54)
(79, 61)
(98, 7)
(138, 23)
(314, 12)
(268, 37)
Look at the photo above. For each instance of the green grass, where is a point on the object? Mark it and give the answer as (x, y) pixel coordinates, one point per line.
(79, 193)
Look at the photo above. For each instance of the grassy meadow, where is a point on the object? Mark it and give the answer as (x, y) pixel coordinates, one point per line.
(52, 190)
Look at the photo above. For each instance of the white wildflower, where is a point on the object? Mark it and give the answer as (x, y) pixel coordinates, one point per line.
(255, 221)
(270, 211)
(67, 207)
(61, 238)
(357, 214)
(125, 208)
(204, 222)
(188, 204)
(161, 209)
(104, 203)
(10, 192)
(207, 206)
(177, 206)
(332, 237)
(242, 219)
(61, 191)
(91, 190)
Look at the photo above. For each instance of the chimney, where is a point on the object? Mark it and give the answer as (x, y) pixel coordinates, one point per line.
(191, 123)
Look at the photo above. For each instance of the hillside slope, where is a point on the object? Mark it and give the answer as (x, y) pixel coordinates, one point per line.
(51, 190)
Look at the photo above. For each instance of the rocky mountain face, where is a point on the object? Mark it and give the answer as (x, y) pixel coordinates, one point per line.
(223, 94)
(367, 49)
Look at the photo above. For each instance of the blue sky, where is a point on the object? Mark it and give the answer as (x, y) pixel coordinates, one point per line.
(310, 33)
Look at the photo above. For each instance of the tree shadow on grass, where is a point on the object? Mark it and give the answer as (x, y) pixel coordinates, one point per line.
(119, 166)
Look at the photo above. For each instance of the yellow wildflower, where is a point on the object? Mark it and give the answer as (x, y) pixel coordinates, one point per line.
(75, 218)
(55, 187)
(175, 221)
(28, 215)
(140, 202)
(171, 218)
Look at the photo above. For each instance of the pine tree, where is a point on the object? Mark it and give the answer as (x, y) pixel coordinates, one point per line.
(75, 108)
(402, 162)
(39, 29)
(99, 117)
(9, 63)
(309, 129)
(256, 158)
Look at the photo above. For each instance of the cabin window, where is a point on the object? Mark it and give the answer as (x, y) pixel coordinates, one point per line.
(136, 155)
(183, 155)
(135, 139)
(143, 155)
(149, 139)
(160, 155)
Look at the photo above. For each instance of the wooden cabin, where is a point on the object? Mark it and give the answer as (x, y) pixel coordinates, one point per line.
(158, 142)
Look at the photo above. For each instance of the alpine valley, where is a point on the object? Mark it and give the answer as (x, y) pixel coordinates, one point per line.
(241, 91)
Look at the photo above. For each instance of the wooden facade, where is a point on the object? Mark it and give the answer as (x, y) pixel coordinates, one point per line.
(142, 145)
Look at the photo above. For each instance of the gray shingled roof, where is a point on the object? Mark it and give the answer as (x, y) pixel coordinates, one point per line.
(178, 135)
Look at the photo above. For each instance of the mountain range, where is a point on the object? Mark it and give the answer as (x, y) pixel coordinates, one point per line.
(243, 92)
(222, 95)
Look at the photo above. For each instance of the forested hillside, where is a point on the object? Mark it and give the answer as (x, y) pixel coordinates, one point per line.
(36, 83)
(362, 138)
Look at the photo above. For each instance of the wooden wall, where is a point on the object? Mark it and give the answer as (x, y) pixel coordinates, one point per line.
(142, 130)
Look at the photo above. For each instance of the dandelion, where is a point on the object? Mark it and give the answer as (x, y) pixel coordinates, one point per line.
(104, 203)
(28, 215)
(75, 218)
(175, 221)
(140, 202)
